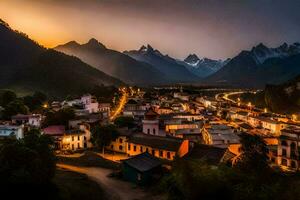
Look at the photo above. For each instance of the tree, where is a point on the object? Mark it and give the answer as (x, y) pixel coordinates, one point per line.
(254, 156)
(103, 135)
(29, 160)
(60, 117)
(6, 97)
(35, 101)
(124, 122)
(13, 108)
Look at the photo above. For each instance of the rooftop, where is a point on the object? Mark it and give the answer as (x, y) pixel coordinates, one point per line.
(158, 142)
(211, 154)
(55, 130)
(143, 162)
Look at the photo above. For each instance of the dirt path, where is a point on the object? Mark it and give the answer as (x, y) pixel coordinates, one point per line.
(116, 189)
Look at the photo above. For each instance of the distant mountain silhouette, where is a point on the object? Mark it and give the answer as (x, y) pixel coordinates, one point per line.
(114, 63)
(202, 67)
(174, 71)
(260, 66)
(26, 66)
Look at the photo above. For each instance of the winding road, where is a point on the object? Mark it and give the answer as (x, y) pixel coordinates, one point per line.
(121, 105)
(115, 189)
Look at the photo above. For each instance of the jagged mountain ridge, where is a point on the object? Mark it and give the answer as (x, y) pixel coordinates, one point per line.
(259, 66)
(114, 63)
(202, 67)
(174, 71)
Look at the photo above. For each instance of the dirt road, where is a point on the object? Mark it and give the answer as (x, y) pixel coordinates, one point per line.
(116, 189)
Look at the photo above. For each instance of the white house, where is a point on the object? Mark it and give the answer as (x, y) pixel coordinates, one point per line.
(12, 131)
(90, 103)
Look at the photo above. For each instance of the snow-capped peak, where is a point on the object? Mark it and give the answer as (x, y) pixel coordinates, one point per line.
(261, 53)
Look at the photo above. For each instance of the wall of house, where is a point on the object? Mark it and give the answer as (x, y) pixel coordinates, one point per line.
(135, 149)
(151, 127)
(118, 145)
(183, 149)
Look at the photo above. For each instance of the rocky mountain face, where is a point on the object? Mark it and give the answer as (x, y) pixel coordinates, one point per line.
(260, 66)
(26, 66)
(174, 71)
(114, 63)
(202, 67)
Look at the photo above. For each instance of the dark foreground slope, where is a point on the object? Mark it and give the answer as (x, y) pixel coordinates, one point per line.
(26, 66)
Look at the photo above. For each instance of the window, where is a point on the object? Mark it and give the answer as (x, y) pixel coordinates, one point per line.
(129, 147)
(153, 152)
(121, 140)
(168, 155)
(120, 147)
(134, 148)
(161, 154)
(84, 138)
(141, 149)
(72, 138)
(154, 131)
(284, 143)
(283, 152)
(78, 138)
(148, 131)
(72, 146)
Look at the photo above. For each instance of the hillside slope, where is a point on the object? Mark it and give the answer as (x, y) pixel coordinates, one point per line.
(114, 63)
(26, 66)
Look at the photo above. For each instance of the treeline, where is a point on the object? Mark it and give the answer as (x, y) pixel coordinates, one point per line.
(12, 105)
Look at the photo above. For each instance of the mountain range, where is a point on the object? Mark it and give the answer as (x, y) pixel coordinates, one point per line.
(114, 63)
(173, 71)
(259, 66)
(202, 67)
(26, 66)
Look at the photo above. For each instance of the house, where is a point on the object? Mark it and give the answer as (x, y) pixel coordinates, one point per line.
(12, 131)
(191, 134)
(272, 125)
(73, 139)
(120, 143)
(142, 169)
(288, 148)
(90, 103)
(34, 120)
(56, 105)
(161, 147)
(172, 128)
(151, 123)
(76, 139)
(105, 109)
(220, 135)
(189, 117)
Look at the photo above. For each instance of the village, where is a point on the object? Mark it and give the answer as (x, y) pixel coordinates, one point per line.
(153, 131)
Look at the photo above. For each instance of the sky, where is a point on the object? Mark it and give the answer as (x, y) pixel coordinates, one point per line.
(216, 29)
